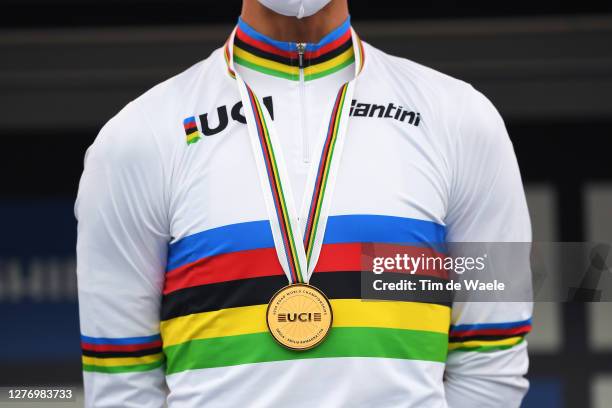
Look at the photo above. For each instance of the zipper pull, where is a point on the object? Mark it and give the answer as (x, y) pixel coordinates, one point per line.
(301, 47)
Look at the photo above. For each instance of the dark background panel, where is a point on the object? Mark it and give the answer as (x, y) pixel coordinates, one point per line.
(72, 13)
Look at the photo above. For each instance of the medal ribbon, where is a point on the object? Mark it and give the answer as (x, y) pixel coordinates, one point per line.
(276, 187)
(318, 192)
(297, 257)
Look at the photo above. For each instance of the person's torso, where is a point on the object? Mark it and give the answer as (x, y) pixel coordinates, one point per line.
(392, 187)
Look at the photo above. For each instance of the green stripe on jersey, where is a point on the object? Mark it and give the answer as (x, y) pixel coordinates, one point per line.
(485, 348)
(266, 70)
(341, 342)
(123, 369)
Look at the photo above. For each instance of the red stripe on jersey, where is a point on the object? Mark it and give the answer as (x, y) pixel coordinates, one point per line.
(254, 263)
(257, 263)
(120, 347)
(493, 332)
(264, 46)
(329, 47)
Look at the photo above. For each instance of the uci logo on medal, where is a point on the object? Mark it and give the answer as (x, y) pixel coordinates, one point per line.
(299, 316)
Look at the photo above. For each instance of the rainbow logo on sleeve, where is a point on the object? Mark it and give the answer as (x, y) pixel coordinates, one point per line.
(191, 130)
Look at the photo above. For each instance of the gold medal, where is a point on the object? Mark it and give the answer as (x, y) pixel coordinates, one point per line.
(299, 316)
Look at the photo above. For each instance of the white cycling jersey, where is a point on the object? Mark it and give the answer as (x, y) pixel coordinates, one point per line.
(177, 240)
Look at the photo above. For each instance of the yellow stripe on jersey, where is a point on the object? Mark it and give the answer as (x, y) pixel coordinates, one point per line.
(122, 361)
(347, 313)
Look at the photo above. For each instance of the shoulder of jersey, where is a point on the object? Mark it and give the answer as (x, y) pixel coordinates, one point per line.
(405, 71)
(152, 124)
(441, 97)
(171, 98)
(168, 99)
(195, 80)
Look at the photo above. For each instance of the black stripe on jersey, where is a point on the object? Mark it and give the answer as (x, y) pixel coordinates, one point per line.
(257, 291)
(294, 62)
(112, 354)
(330, 54)
(264, 54)
(454, 339)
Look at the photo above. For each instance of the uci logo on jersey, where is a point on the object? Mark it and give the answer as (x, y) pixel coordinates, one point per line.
(212, 125)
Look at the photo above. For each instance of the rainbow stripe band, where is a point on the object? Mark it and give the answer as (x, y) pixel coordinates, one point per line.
(280, 203)
(121, 355)
(488, 336)
(327, 154)
(219, 281)
(281, 59)
(223, 332)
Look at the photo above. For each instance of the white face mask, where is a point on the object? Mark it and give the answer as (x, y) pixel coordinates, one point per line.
(295, 8)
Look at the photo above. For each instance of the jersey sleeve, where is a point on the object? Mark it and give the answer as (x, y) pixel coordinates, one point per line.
(121, 256)
(487, 358)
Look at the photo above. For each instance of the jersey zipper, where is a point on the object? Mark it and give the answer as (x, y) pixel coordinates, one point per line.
(301, 48)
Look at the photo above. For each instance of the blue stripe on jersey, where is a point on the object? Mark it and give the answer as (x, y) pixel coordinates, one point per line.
(220, 240)
(481, 326)
(340, 229)
(120, 340)
(283, 45)
(382, 229)
(290, 46)
(331, 37)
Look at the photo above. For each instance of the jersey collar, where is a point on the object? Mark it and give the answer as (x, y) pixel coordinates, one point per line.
(249, 48)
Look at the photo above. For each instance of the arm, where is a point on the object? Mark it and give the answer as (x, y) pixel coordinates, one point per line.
(121, 255)
(487, 357)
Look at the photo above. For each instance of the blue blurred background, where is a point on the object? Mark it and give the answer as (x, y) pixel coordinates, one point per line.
(68, 66)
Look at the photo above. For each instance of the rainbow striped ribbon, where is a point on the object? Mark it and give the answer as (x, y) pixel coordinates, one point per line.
(276, 187)
(297, 272)
(318, 192)
(299, 254)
